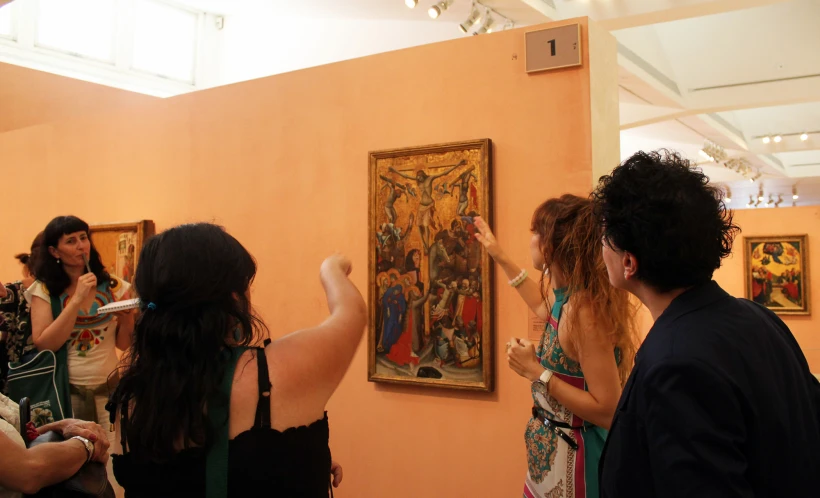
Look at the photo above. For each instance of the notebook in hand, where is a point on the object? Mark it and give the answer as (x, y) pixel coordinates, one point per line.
(128, 304)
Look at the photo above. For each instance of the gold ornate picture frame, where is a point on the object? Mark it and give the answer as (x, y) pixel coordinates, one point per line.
(776, 273)
(430, 281)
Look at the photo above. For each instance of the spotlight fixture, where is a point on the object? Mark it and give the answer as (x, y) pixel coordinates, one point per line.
(794, 193)
(728, 197)
(411, 3)
(475, 15)
(778, 139)
(435, 11)
(751, 203)
(739, 165)
(766, 140)
(779, 200)
(487, 25)
(804, 137)
(760, 194)
(770, 201)
(712, 152)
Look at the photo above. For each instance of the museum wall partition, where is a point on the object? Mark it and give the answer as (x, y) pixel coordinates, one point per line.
(284, 163)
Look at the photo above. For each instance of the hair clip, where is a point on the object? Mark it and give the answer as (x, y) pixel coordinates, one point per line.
(151, 306)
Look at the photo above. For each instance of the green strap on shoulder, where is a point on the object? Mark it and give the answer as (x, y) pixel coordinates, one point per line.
(61, 367)
(216, 464)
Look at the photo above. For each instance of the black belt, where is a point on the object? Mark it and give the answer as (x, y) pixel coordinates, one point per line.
(555, 426)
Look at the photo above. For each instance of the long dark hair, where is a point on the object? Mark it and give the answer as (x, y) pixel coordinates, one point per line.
(570, 237)
(48, 270)
(196, 279)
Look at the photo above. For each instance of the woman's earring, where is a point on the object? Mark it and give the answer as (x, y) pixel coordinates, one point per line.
(58, 261)
(626, 275)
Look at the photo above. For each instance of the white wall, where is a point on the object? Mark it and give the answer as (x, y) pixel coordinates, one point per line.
(253, 46)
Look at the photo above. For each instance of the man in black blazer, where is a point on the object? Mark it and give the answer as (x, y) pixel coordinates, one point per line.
(720, 402)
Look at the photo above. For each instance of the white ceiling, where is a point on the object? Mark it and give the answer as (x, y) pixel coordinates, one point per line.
(365, 9)
(763, 43)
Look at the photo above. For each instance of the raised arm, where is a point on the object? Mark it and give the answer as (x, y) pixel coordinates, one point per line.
(450, 170)
(308, 365)
(403, 175)
(530, 290)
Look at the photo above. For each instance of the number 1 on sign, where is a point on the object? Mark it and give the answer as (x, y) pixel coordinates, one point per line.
(552, 47)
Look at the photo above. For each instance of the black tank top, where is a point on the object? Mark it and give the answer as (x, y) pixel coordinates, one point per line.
(261, 461)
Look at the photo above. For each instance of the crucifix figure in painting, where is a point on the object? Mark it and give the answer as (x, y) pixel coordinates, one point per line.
(463, 185)
(427, 206)
(396, 191)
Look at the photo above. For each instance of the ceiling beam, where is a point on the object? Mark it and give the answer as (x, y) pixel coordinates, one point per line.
(787, 145)
(726, 129)
(684, 12)
(807, 171)
(735, 99)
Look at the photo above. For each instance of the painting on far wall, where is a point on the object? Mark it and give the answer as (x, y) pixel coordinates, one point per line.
(119, 245)
(430, 281)
(776, 271)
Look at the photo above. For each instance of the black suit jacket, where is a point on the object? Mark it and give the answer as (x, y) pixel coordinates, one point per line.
(720, 403)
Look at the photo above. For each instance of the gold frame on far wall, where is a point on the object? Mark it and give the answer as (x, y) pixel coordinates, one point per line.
(119, 245)
(430, 292)
(776, 273)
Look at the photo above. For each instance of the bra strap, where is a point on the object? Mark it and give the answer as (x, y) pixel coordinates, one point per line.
(263, 405)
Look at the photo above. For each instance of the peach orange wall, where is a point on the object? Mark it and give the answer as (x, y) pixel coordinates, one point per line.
(29, 97)
(782, 221)
(282, 163)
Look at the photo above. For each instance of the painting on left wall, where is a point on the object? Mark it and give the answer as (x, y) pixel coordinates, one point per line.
(119, 245)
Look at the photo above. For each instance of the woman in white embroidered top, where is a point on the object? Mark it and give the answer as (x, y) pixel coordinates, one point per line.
(91, 340)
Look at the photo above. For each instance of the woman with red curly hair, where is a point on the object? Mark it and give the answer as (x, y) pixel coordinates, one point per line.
(585, 354)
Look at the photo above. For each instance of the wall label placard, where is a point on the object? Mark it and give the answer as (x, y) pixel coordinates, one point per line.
(553, 48)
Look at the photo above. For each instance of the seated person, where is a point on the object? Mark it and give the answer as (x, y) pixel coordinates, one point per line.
(27, 471)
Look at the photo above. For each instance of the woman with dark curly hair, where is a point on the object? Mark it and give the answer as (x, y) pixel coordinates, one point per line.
(585, 353)
(720, 402)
